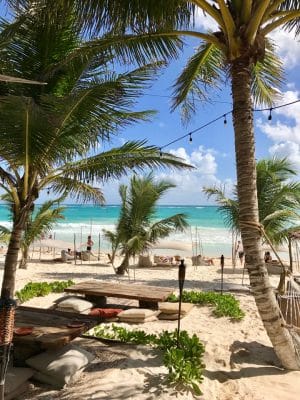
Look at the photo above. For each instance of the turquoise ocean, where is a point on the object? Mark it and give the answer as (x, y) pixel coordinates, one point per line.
(207, 232)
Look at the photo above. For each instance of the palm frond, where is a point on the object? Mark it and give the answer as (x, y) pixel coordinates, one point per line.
(202, 72)
(267, 77)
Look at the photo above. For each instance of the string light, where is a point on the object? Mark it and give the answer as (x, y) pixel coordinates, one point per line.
(270, 115)
(190, 139)
(160, 153)
(223, 116)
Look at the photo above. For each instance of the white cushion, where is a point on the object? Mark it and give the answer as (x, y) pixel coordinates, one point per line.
(137, 313)
(138, 320)
(54, 381)
(172, 308)
(16, 377)
(62, 364)
(75, 304)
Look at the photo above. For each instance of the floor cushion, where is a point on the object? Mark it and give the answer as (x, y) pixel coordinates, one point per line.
(172, 308)
(135, 320)
(18, 391)
(137, 313)
(60, 365)
(16, 380)
(74, 304)
(53, 381)
(105, 312)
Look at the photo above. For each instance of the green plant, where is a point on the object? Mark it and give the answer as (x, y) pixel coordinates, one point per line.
(184, 362)
(226, 305)
(40, 289)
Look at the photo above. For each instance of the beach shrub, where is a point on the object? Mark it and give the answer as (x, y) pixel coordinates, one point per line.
(184, 362)
(40, 289)
(225, 305)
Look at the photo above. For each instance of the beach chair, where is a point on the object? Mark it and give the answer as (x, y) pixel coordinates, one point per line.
(163, 261)
(144, 261)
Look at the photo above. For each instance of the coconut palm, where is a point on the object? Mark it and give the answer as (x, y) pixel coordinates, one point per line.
(49, 135)
(278, 200)
(137, 228)
(239, 50)
(37, 224)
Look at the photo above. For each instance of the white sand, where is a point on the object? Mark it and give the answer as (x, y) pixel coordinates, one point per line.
(240, 362)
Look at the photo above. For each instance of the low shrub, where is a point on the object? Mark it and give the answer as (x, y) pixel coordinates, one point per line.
(39, 289)
(184, 362)
(225, 305)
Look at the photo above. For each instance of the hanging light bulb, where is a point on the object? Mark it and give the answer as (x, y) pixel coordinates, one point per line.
(270, 115)
(160, 153)
(87, 181)
(225, 120)
(48, 191)
(190, 139)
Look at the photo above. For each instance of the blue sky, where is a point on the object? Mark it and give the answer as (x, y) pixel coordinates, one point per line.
(212, 149)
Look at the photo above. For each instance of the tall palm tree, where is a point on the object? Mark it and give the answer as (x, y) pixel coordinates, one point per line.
(240, 50)
(278, 200)
(49, 135)
(137, 228)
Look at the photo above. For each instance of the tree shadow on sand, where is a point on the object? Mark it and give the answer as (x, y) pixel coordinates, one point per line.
(263, 358)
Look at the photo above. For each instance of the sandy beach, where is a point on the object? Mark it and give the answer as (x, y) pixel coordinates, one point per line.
(240, 362)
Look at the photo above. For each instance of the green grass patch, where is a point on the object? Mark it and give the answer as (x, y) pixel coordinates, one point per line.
(225, 305)
(39, 289)
(184, 362)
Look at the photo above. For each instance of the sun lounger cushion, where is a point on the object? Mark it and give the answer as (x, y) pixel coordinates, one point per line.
(16, 381)
(172, 308)
(58, 367)
(105, 312)
(74, 304)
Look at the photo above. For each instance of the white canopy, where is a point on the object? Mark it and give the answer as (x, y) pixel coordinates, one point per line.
(172, 245)
(53, 243)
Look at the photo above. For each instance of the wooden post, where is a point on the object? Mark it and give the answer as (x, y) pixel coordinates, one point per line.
(75, 257)
(222, 272)
(181, 278)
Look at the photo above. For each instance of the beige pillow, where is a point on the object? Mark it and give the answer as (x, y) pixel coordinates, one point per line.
(171, 308)
(138, 320)
(137, 313)
(60, 365)
(74, 304)
(54, 381)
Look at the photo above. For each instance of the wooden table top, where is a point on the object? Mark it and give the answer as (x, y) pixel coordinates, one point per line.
(121, 290)
(50, 327)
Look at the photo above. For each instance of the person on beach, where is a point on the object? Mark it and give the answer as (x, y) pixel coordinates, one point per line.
(89, 243)
(240, 251)
(268, 257)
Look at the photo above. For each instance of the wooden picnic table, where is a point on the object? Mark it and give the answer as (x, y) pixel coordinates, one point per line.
(148, 296)
(50, 330)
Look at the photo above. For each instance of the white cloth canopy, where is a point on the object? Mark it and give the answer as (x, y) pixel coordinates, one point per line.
(53, 243)
(173, 245)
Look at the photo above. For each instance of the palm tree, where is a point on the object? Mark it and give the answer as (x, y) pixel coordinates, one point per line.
(137, 228)
(54, 131)
(241, 51)
(41, 222)
(278, 200)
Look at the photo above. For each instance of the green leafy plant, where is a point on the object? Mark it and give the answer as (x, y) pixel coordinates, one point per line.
(226, 305)
(40, 289)
(184, 362)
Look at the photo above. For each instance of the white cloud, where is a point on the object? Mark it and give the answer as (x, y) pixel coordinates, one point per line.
(285, 131)
(288, 47)
(205, 22)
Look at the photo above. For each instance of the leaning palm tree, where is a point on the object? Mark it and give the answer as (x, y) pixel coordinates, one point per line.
(137, 228)
(239, 50)
(278, 200)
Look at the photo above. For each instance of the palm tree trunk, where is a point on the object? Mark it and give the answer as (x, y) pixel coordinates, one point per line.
(10, 265)
(124, 265)
(25, 254)
(248, 216)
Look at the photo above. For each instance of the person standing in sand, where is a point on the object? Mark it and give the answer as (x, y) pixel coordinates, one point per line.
(240, 251)
(89, 243)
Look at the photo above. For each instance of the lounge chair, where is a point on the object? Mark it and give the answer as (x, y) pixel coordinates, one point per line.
(201, 261)
(144, 262)
(88, 256)
(164, 261)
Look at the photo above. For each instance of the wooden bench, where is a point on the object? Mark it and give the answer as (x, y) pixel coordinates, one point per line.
(50, 330)
(148, 296)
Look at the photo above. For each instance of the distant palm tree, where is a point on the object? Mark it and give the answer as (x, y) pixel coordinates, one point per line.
(137, 227)
(38, 223)
(278, 200)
